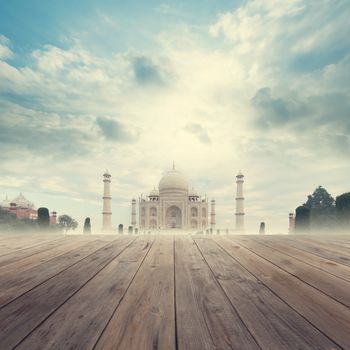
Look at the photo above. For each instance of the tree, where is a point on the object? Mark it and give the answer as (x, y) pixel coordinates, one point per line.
(67, 223)
(342, 205)
(43, 218)
(87, 226)
(302, 219)
(319, 199)
(7, 220)
(322, 209)
(26, 224)
(262, 228)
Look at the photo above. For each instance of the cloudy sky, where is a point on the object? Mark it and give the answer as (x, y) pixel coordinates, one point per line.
(217, 86)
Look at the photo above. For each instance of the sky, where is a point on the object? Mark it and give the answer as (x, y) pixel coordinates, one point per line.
(217, 86)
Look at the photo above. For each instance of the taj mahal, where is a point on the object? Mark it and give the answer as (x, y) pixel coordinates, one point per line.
(172, 206)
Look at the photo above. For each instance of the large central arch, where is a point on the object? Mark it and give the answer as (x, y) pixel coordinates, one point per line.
(173, 217)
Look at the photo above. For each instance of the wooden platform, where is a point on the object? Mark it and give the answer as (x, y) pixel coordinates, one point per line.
(181, 292)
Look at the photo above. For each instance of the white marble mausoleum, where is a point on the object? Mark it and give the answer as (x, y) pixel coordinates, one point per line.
(173, 205)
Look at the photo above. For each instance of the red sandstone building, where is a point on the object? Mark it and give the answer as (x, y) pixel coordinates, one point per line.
(24, 209)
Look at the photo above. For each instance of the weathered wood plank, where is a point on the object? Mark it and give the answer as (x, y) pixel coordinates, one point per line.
(339, 270)
(337, 240)
(16, 243)
(48, 251)
(18, 267)
(272, 322)
(36, 251)
(145, 318)
(205, 317)
(328, 244)
(78, 323)
(12, 286)
(329, 253)
(333, 286)
(24, 314)
(328, 315)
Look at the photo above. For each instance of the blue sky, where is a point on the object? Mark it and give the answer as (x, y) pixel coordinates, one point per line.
(218, 86)
(104, 26)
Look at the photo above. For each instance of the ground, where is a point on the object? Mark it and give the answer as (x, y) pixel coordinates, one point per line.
(174, 292)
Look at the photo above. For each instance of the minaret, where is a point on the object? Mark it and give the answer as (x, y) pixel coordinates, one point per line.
(133, 213)
(107, 213)
(53, 218)
(291, 223)
(239, 203)
(212, 214)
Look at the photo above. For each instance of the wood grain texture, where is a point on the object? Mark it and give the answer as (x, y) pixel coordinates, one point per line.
(274, 325)
(20, 317)
(325, 245)
(338, 255)
(162, 292)
(14, 285)
(339, 270)
(80, 321)
(39, 254)
(342, 241)
(205, 317)
(17, 243)
(147, 310)
(334, 287)
(326, 314)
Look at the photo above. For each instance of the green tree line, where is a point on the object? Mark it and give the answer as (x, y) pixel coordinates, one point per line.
(322, 213)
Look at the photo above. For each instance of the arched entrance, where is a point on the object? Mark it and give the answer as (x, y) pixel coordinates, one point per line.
(173, 217)
(153, 224)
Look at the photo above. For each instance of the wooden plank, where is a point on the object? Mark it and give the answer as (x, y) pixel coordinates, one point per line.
(328, 315)
(5, 236)
(12, 286)
(24, 314)
(29, 256)
(78, 323)
(314, 248)
(337, 240)
(272, 322)
(19, 242)
(333, 286)
(325, 245)
(18, 267)
(36, 250)
(145, 318)
(205, 317)
(339, 270)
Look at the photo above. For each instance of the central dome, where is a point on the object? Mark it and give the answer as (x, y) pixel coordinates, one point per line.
(173, 181)
(22, 202)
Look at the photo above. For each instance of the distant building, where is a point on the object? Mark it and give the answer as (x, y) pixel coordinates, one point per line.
(107, 200)
(173, 206)
(239, 203)
(24, 209)
(53, 218)
(21, 206)
(291, 220)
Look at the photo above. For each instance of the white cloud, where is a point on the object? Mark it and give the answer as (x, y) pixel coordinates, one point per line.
(52, 59)
(265, 103)
(5, 51)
